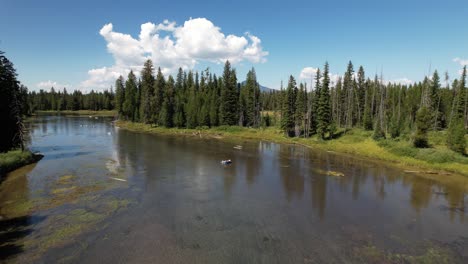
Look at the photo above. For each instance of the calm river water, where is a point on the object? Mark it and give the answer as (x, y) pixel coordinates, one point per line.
(106, 195)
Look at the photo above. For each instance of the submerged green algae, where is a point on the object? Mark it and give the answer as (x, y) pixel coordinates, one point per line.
(431, 255)
(67, 210)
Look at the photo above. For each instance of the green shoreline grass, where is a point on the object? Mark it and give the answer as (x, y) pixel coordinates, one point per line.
(436, 161)
(14, 159)
(80, 112)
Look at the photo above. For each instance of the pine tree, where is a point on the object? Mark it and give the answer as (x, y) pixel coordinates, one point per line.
(456, 132)
(315, 102)
(395, 126)
(129, 106)
(214, 102)
(462, 98)
(337, 106)
(367, 119)
(204, 100)
(147, 91)
(167, 110)
(288, 113)
(434, 91)
(158, 98)
(138, 100)
(300, 112)
(192, 103)
(252, 100)
(361, 95)
(323, 110)
(348, 91)
(180, 104)
(423, 122)
(378, 131)
(229, 97)
(456, 135)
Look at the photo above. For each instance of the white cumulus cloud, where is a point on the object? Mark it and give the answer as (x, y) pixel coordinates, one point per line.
(46, 85)
(170, 46)
(308, 73)
(402, 81)
(462, 62)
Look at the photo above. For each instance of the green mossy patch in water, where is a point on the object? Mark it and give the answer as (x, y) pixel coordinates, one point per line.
(116, 204)
(433, 255)
(67, 195)
(66, 179)
(61, 235)
(82, 215)
(17, 208)
(66, 228)
(61, 191)
(330, 173)
(77, 209)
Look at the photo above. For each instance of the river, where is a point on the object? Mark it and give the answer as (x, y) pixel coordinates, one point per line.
(106, 195)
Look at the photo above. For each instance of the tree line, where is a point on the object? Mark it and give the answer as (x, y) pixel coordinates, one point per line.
(62, 100)
(353, 100)
(190, 100)
(389, 109)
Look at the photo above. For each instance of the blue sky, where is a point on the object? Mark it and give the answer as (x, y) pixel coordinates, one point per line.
(59, 42)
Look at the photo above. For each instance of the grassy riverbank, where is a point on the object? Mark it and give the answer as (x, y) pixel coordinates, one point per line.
(15, 159)
(435, 160)
(80, 112)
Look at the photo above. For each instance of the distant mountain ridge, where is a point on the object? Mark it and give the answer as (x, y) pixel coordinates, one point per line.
(262, 88)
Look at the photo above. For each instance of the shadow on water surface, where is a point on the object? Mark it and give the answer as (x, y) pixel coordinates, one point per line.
(12, 231)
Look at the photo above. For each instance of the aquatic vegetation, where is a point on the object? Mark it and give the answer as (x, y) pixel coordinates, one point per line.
(115, 204)
(82, 215)
(335, 173)
(17, 208)
(66, 179)
(65, 195)
(432, 255)
(58, 237)
(329, 172)
(64, 190)
(66, 227)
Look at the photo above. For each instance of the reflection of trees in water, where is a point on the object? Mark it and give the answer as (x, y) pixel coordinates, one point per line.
(319, 195)
(293, 183)
(15, 186)
(319, 183)
(15, 227)
(135, 154)
(294, 165)
(421, 193)
(379, 182)
(252, 166)
(291, 169)
(229, 179)
(358, 173)
(456, 201)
